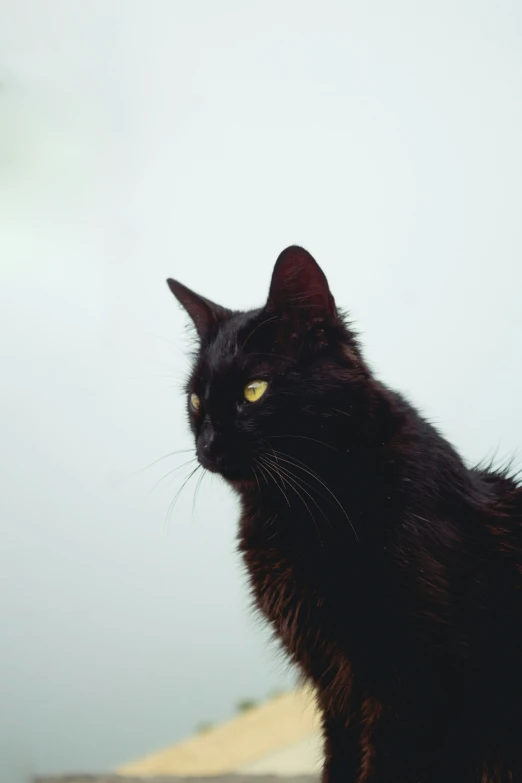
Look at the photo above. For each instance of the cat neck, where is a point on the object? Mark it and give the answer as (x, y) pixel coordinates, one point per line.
(354, 483)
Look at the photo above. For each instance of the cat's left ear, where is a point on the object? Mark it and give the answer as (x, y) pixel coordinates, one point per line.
(206, 315)
(299, 288)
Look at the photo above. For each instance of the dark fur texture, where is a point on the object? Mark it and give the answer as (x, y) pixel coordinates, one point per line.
(390, 571)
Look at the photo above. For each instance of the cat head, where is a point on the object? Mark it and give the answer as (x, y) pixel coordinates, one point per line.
(271, 380)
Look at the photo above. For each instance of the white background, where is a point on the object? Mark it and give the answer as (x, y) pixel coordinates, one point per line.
(140, 140)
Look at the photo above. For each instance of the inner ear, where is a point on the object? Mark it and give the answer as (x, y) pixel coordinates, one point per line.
(299, 288)
(206, 315)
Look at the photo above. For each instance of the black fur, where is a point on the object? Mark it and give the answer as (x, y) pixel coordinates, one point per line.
(390, 571)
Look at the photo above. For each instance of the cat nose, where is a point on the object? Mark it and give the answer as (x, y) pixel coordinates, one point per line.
(205, 450)
(205, 443)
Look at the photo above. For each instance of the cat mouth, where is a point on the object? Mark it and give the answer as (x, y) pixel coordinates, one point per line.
(237, 474)
(238, 477)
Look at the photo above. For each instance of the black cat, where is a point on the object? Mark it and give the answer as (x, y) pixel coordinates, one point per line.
(390, 571)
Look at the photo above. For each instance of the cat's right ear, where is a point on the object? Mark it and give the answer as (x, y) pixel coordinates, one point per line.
(299, 288)
(205, 315)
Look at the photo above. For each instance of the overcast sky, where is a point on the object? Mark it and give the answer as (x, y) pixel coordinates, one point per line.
(140, 140)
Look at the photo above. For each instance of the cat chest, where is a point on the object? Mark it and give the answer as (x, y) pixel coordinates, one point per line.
(322, 611)
(293, 600)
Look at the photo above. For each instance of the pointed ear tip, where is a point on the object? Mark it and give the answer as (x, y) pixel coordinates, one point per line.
(293, 249)
(176, 288)
(298, 251)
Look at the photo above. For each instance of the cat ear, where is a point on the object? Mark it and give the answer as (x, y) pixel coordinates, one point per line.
(205, 314)
(300, 288)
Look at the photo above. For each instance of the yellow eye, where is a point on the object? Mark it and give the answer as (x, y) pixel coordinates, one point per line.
(254, 390)
(195, 402)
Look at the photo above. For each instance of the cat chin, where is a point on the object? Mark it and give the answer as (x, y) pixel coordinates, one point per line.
(242, 484)
(235, 479)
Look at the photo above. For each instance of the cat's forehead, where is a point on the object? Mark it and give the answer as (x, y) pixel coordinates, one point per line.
(228, 348)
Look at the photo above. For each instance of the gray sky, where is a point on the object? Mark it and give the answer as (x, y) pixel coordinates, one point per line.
(196, 140)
